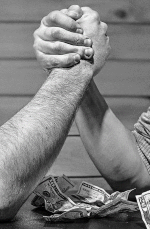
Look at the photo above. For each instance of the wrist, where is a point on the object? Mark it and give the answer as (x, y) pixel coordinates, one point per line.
(85, 67)
(82, 70)
(68, 80)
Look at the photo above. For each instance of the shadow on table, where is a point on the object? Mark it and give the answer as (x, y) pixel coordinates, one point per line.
(119, 221)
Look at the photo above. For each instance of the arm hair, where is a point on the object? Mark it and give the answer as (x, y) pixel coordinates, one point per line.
(31, 140)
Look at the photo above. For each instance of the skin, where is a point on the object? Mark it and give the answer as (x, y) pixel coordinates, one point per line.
(32, 139)
(76, 43)
(109, 144)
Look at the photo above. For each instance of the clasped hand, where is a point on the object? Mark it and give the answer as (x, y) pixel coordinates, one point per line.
(69, 35)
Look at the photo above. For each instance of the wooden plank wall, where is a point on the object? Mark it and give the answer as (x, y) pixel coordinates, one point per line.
(123, 81)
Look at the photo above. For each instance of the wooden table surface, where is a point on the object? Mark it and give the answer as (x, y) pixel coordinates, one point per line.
(30, 217)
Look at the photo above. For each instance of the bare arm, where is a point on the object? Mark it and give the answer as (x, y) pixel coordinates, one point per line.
(110, 145)
(31, 140)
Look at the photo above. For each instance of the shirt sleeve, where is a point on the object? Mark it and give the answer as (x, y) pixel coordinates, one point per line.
(142, 135)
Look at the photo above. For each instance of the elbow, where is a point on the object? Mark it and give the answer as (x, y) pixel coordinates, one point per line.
(11, 200)
(8, 207)
(7, 214)
(6, 218)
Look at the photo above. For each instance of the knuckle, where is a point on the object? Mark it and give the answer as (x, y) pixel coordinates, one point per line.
(44, 33)
(40, 57)
(43, 60)
(65, 11)
(78, 40)
(80, 51)
(55, 32)
(73, 25)
(43, 21)
(95, 15)
(57, 46)
(54, 62)
(38, 32)
(35, 34)
(69, 60)
(53, 15)
(104, 26)
(46, 63)
(36, 45)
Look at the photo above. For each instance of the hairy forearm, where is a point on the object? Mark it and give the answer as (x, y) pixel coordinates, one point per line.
(31, 140)
(110, 145)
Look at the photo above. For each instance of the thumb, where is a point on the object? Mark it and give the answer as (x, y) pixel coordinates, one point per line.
(74, 11)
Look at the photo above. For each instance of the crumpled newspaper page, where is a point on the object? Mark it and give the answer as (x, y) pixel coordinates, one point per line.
(91, 201)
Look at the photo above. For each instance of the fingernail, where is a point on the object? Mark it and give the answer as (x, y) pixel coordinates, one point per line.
(88, 42)
(77, 59)
(79, 31)
(88, 53)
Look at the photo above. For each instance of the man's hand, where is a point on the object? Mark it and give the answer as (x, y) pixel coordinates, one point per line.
(59, 41)
(97, 32)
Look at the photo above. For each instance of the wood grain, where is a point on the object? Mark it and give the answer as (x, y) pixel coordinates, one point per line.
(129, 41)
(73, 160)
(124, 80)
(127, 110)
(116, 78)
(110, 10)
